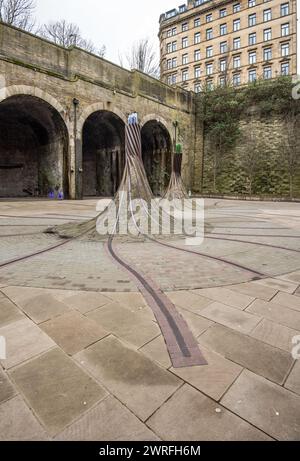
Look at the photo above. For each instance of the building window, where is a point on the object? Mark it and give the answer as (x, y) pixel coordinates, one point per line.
(285, 49)
(209, 17)
(223, 65)
(169, 47)
(222, 81)
(197, 38)
(184, 27)
(185, 42)
(251, 3)
(174, 46)
(223, 47)
(267, 72)
(197, 55)
(209, 84)
(267, 34)
(209, 51)
(209, 69)
(169, 33)
(185, 59)
(197, 22)
(252, 57)
(285, 68)
(285, 29)
(236, 79)
(223, 29)
(169, 64)
(252, 20)
(223, 12)
(236, 43)
(169, 80)
(182, 8)
(267, 54)
(236, 62)
(174, 31)
(174, 63)
(252, 38)
(236, 25)
(197, 72)
(252, 75)
(185, 75)
(197, 87)
(267, 15)
(172, 79)
(236, 7)
(284, 9)
(209, 34)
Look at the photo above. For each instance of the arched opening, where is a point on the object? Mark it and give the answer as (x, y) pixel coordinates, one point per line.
(103, 152)
(157, 155)
(33, 148)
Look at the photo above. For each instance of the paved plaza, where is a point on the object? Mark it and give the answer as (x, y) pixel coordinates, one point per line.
(86, 359)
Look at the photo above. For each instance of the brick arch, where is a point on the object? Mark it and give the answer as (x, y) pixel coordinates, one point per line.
(19, 90)
(159, 119)
(97, 107)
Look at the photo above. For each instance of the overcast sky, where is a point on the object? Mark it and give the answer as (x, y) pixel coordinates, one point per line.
(114, 23)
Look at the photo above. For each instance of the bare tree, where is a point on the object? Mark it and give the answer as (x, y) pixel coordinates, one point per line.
(18, 13)
(68, 34)
(142, 57)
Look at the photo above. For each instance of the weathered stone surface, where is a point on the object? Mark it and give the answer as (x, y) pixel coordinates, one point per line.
(231, 317)
(212, 379)
(267, 406)
(276, 313)
(226, 296)
(278, 284)
(8, 312)
(24, 340)
(125, 324)
(275, 334)
(157, 350)
(255, 290)
(108, 421)
(7, 390)
(134, 379)
(196, 323)
(86, 302)
(189, 301)
(73, 332)
(17, 423)
(57, 389)
(173, 420)
(43, 308)
(288, 300)
(248, 352)
(134, 301)
(293, 381)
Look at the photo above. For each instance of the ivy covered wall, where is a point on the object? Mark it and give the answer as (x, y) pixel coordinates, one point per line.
(251, 140)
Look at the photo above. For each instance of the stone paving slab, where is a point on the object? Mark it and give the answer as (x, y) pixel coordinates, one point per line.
(127, 325)
(266, 405)
(287, 300)
(277, 284)
(259, 357)
(157, 350)
(43, 308)
(134, 301)
(24, 340)
(275, 334)
(9, 312)
(56, 389)
(212, 379)
(231, 317)
(293, 381)
(86, 302)
(73, 332)
(196, 323)
(226, 296)
(189, 301)
(293, 277)
(255, 290)
(18, 424)
(190, 415)
(7, 390)
(134, 379)
(276, 313)
(109, 421)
